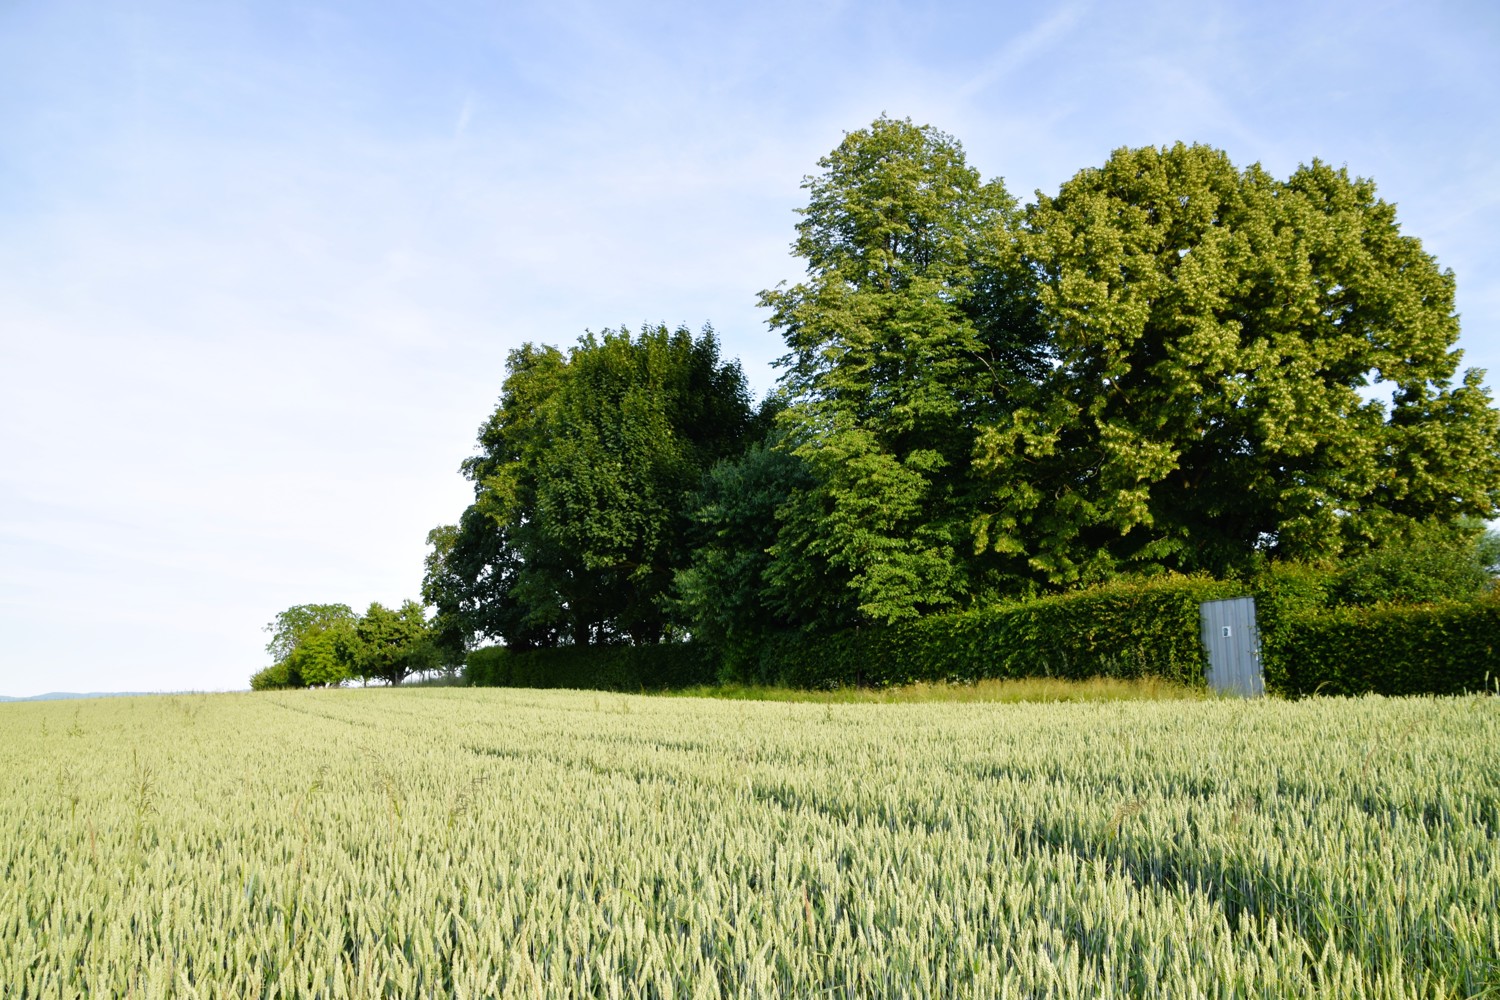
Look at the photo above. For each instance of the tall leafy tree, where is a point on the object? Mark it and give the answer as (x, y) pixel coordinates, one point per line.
(583, 487)
(1221, 341)
(911, 327)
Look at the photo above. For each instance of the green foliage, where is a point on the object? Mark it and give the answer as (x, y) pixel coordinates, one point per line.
(1214, 332)
(905, 333)
(1416, 617)
(450, 626)
(327, 644)
(274, 678)
(1284, 592)
(312, 644)
(726, 596)
(1126, 629)
(391, 645)
(486, 666)
(1487, 550)
(325, 656)
(1173, 368)
(296, 623)
(1387, 649)
(583, 488)
(603, 668)
(1424, 567)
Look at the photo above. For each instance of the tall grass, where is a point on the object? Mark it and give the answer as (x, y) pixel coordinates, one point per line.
(448, 842)
(1031, 689)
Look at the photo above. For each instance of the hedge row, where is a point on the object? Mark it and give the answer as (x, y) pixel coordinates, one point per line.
(1131, 629)
(1391, 650)
(1127, 629)
(1120, 630)
(604, 668)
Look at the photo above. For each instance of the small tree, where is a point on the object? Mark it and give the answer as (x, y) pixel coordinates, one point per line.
(392, 645)
(311, 644)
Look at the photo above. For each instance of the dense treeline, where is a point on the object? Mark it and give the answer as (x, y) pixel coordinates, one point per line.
(317, 645)
(1173, 365)
(1427, 634)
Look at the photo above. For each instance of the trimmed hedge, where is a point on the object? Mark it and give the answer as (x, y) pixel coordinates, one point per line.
(1390, 650)
(605, 668)
(1126, 629)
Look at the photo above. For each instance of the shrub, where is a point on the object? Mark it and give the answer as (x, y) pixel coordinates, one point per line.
(275, 677)
(610, 668)
(1421, 572)
(1389, 649)
(1132, 628)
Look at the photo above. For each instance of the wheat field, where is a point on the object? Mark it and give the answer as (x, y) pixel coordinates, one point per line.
(513, 843)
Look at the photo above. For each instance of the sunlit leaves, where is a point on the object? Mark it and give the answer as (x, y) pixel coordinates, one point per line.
(903, 334)
(1222, 339)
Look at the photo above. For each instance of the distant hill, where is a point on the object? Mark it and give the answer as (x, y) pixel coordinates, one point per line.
(62, 695)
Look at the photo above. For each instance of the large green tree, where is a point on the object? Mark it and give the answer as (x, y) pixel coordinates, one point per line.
(1242, 367)
(583, 488)
(912, 326)
(475, 576)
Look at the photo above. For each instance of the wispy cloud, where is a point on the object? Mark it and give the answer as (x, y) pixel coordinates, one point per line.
(465, 113)
(1024, 49)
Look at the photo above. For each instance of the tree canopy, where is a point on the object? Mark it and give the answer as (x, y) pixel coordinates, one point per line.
(1220, 342)
(908, 330)
(582, 488)
(1173, 364)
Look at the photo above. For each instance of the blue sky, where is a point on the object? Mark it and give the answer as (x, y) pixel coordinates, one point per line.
(261, 263)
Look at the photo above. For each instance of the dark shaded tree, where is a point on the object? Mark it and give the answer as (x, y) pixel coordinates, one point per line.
(583, 488)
